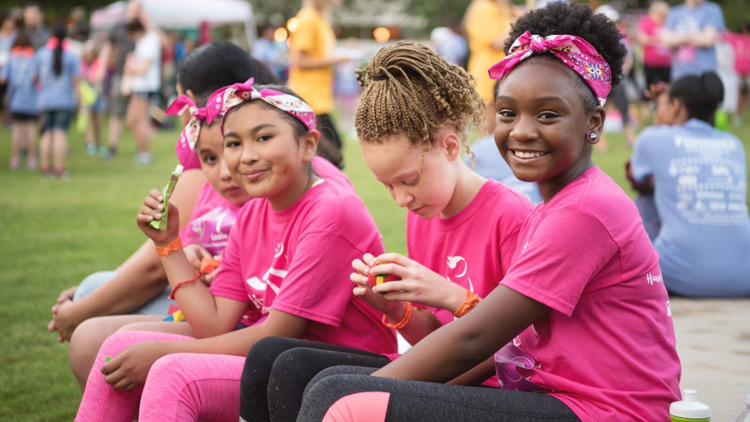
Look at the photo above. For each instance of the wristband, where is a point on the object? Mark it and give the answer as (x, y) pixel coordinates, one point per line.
(182, 283)
(401, 324)
(472, 299)
(172, 246)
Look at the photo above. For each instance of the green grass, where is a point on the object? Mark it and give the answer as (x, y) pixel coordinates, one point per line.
(54, 233)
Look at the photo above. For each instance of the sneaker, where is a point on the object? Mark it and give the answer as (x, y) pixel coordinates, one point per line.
(31, 164)
(46, 172)
(90, 149)
(14, 162)
(112, 152)
(144, 158)
(63, 175)
(105, 153)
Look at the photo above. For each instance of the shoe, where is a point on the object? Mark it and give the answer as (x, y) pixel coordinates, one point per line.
(46, 172)
(14, 162)
(31, 164)
(63, 175)
(144, 158)
(90, 149)
(104, 152)
(112, 152)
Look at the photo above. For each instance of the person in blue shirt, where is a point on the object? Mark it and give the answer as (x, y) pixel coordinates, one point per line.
(691, 31)
(58, 71)
(18, 74)
(699, 176)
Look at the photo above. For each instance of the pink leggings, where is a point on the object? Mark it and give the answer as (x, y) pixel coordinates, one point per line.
(179, 387)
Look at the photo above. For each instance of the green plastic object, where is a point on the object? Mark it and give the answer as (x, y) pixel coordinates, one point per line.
(161, 224)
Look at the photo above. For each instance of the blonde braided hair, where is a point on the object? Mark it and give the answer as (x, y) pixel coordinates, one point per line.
(411, 89)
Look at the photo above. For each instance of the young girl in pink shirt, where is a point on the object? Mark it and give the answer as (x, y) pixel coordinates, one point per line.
(462, 229)
(284, 272)
(581, 318)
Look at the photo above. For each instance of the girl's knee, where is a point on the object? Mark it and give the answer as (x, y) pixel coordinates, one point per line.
(370, 406)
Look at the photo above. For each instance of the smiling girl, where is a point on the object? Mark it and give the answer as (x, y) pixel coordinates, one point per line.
(579, 318)
(462, 229)
(284, 272)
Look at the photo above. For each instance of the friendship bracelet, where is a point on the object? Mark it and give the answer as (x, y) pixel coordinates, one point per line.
(182, 283)
(401, 324)
(472, 300)
(172, 246)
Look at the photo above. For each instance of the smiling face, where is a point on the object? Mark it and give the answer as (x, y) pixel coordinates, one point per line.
(265, 155)
(210, 149)
(542, 126)
(422, 181)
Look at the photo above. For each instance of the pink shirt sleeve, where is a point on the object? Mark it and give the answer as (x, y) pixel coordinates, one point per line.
(562, 254)
(309, 290)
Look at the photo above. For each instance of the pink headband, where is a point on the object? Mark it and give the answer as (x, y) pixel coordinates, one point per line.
(224, 99)
(185, 148)
(575, 52)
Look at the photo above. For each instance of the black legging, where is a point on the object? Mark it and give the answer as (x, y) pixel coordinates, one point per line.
(412, 401)
(277, 370)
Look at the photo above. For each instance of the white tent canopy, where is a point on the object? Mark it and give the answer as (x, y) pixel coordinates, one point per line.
(182, 14)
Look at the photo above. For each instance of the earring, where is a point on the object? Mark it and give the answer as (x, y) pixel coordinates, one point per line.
(593, 136)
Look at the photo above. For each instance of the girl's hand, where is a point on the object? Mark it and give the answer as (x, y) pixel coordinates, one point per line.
(363, 289)
(195, 254)
(152, 210)
(418, 283)
(129, 369)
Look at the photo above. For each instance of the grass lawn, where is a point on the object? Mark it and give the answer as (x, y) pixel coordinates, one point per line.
(54, 233)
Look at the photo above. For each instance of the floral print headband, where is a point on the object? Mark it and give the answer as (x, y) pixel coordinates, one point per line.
(185, 148)
(574, 51)
(224, 99)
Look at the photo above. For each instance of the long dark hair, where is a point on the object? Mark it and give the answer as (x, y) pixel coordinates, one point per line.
(22, 39)
(219, 64)
(60, 33)
(701, 95)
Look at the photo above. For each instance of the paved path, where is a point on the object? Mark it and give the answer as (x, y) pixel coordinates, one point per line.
(713, 341)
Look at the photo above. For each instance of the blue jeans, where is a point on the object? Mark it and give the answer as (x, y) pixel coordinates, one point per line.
(157, 306)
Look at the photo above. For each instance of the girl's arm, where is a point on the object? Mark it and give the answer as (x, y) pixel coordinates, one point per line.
(129, 369)
(463, 344)
(303, 61)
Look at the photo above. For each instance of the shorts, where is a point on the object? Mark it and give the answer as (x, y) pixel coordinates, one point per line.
(23, 117)
(56, 120)
(149, 95)
(159, 305)
(99, 105)
(118, 102)
(655, 75)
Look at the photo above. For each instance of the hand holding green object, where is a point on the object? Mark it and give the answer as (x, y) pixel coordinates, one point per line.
(161, 224)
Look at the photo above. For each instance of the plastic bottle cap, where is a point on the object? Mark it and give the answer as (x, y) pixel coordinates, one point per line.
(747, 400)
(690, 407)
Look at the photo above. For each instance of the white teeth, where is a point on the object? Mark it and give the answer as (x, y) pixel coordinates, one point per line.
(523, 154)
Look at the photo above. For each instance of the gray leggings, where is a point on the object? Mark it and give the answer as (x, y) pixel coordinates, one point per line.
(412, 401)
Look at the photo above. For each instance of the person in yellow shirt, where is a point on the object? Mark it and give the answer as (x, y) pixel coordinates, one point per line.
(311, 72)
(487, 26)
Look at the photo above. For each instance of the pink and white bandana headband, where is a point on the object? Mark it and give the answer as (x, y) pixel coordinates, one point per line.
(575, 52)
(185, 148)
(224, 99)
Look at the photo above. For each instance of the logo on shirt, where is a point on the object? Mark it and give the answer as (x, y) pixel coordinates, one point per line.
(651, 278)
(453, 264)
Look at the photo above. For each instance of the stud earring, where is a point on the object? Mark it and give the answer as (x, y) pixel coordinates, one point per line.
(593, 136)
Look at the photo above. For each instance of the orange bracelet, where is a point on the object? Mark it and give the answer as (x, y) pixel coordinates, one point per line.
(401, 324)
(182, 283)
(472, 299)
(172, 246)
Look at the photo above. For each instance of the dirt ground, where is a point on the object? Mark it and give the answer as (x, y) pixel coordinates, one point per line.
(713, 341)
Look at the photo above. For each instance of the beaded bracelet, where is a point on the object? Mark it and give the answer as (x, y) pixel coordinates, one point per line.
(472, 299)
(172, 246)
(182, 283)
(401, 324)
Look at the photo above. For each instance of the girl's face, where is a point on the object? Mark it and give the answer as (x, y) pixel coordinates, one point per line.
(542, 126)
(210, 149)
(265, 156)
(669, 111)
(421, 181)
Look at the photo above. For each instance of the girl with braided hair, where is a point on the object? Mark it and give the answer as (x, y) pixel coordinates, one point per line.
(462, 229)
(580, 327)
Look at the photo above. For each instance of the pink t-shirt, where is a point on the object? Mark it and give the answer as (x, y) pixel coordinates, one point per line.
(473, 248)
(741, 46)
(298, 261)
(654, 55)
(212, 218)
(606, 348)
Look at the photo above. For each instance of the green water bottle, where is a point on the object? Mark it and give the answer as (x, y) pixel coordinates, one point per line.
(689, 409)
